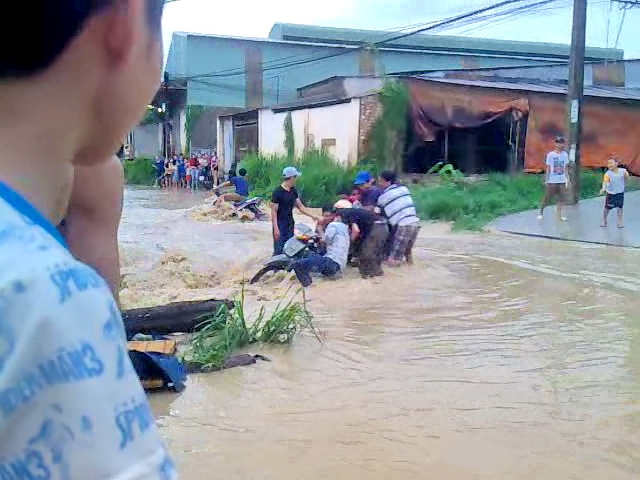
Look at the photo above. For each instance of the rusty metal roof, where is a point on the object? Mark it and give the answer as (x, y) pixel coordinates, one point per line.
(617, 93)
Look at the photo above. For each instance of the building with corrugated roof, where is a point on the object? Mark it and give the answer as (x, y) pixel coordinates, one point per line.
(228, 74)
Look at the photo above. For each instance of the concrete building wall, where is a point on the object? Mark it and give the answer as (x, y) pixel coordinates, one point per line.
(147, 140)
(334, 128)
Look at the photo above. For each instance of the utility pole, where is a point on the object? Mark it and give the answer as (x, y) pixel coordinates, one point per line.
(575, 95)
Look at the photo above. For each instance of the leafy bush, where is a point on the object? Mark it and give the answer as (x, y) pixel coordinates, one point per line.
(322, 178)
(139, 171)
(227, 331)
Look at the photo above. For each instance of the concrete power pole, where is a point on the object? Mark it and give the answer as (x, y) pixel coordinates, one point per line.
(575, 95)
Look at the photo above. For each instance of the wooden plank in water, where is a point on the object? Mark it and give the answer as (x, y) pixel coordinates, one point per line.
(177, 317)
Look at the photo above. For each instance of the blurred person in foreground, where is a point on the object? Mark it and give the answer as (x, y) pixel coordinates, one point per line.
(90, 226)
(396, 204)
(74, 406)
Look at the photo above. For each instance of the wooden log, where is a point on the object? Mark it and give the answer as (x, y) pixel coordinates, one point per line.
(177, 317)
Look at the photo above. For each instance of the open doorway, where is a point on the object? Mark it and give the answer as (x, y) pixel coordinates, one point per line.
(496, 146)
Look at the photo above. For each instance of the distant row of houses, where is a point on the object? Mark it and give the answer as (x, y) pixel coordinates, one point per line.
(482, 105)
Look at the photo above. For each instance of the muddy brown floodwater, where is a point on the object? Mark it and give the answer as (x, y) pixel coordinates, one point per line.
(494, 357)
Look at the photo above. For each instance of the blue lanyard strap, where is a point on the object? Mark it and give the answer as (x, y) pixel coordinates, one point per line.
(23, 207)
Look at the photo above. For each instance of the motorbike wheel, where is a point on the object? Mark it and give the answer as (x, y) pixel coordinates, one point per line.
(263, 271)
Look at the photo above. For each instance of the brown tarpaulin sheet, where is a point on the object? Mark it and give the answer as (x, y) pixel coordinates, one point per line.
(609, 127)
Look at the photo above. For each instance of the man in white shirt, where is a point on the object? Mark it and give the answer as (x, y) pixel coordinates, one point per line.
(556, 178)
(71, 405)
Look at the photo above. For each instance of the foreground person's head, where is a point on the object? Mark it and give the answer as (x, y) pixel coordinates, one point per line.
(83, 79)
(612, 163)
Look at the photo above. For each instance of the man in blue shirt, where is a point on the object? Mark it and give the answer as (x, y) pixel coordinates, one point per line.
(158, 164)
(241, 186)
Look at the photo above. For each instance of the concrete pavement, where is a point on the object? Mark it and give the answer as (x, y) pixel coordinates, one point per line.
(583, 223)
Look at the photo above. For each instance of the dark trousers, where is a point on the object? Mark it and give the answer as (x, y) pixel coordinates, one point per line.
(314, 263)
(372, 251)
(286, 232)
(389, 242)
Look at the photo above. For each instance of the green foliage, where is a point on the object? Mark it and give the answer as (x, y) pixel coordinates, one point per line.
(227, 331)
(472, 205)
(322, 178)
(192, 114)
(446, 172)
(289, 138)
(386, 139)
(151, 117)
(139, 171)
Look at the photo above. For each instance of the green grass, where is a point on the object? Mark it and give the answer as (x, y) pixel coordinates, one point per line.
(139, 171)
(470, 206)
(228, 331)
(322, 178)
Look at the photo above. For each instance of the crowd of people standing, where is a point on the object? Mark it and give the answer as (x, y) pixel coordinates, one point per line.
(194, 172)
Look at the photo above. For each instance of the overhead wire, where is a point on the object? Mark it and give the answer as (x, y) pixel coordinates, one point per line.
(431, 27)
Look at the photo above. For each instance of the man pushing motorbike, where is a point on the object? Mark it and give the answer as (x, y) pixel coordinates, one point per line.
(335, 239)
(369, 232)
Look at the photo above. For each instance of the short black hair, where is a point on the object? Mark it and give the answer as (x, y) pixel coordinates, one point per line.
(328, 208)
(56, 23)
(389, 176)
(242, 172)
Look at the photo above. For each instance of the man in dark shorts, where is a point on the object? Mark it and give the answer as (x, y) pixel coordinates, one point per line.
(613, 184)
(371, 234)
(556, 178)
(283, 200)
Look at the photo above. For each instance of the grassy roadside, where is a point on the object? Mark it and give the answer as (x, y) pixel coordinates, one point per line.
(470, 206)
(139, 171)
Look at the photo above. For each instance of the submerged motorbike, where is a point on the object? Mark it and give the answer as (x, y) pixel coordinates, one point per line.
(250, 204)
(303, 241)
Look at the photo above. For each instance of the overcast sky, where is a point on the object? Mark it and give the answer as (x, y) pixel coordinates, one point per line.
(254, 18)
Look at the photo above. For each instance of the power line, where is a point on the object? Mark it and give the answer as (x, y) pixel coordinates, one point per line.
(367, 44)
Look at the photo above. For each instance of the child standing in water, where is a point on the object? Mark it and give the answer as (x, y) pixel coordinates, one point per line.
(613, 184)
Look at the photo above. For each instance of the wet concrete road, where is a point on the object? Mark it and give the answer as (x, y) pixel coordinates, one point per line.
(583, 223)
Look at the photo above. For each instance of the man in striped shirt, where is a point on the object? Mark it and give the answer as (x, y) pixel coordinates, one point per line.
(397, 206)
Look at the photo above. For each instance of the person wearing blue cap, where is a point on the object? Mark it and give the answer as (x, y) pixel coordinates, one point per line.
(369, 192)
(283, 200)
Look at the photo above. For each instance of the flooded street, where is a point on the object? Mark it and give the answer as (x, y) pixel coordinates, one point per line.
(494, 357)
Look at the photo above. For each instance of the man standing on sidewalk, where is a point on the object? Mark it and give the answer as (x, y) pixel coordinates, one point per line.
(556, 178)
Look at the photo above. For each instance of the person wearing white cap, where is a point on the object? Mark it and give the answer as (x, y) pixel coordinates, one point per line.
(283, 201)
(336, 240)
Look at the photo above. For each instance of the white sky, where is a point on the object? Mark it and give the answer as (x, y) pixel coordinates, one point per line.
(254, 18)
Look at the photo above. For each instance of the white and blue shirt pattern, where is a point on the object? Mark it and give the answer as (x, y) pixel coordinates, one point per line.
(71, 404)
